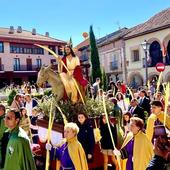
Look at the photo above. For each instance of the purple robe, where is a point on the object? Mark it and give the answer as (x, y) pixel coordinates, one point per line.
(129, 149)
(63, 156)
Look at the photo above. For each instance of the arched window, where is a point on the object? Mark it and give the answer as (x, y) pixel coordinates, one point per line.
(155, 53)
(136, 81)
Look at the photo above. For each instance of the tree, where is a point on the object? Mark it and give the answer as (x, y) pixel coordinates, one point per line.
(71, 42)
(96, 71)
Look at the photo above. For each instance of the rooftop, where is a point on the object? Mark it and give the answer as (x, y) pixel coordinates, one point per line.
(158, 22)
(26, 35)
(112, 36)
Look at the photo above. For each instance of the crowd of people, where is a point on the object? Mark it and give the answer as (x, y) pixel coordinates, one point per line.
(130, 142)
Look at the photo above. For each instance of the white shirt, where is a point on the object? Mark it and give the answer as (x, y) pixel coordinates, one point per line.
(28, 107)
(123, 105)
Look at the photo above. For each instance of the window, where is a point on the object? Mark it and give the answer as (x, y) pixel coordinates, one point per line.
(29, 64)
(1, 47)
(114, 56)
(84, 56)
(21, 50)
(135, 54)
(16, 64)
(114, 61)
(25, 49)
(38, 63)
(51, 47)
(35, 51)
(114, 65)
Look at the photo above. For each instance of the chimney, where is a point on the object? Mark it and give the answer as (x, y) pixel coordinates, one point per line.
(11, 30)
(47, 34)
(33, 31)
(19, 29)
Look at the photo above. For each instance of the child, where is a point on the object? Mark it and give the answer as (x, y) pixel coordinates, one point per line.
(126, 122)
(106, 142)
(25, 122)
(121, 102)
(34, 127)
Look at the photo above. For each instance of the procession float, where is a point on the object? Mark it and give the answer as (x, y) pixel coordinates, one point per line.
(58, 109)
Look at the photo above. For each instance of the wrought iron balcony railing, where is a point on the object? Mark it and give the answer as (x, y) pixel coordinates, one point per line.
(26, 67)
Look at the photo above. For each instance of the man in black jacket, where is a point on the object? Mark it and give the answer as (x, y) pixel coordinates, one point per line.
(144, 102)
(136, 110)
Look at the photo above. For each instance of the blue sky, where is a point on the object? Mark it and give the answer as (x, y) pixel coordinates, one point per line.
(70, 18)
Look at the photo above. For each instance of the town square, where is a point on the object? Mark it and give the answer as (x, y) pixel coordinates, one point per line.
(85, 85)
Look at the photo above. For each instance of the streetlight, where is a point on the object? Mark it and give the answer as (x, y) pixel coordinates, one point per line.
(145, 45)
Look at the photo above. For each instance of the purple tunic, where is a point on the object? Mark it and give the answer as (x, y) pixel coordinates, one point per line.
(64, 157)
(129, 148)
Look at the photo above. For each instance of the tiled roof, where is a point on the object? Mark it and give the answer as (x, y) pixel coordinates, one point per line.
(157, 22)
(112, 37)
(26, 35)
(104, 40)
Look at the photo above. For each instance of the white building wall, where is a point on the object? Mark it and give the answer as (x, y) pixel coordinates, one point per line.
(135, 43)
(107, 53)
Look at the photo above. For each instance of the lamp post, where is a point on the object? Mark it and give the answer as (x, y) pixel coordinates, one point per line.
(145, 45)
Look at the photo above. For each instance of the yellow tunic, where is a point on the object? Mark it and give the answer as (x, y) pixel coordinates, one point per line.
(142, 150)
(67, 78)
(150, 123)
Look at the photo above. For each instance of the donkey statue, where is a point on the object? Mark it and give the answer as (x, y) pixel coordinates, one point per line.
(53, 78)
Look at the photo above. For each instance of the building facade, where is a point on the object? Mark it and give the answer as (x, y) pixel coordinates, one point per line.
(123, 58)
(156, 31)
(83, 52)
(111, 53)
(20, 58)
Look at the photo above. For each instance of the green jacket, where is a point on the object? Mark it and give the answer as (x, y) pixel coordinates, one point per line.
(2, 130)
(2, 126)
(18, 153)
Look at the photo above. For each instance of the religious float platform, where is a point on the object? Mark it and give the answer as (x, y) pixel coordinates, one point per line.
(57, 135)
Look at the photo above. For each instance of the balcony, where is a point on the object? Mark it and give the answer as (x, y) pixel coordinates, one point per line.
(114, 65)
(26, 67)
(1, 67)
